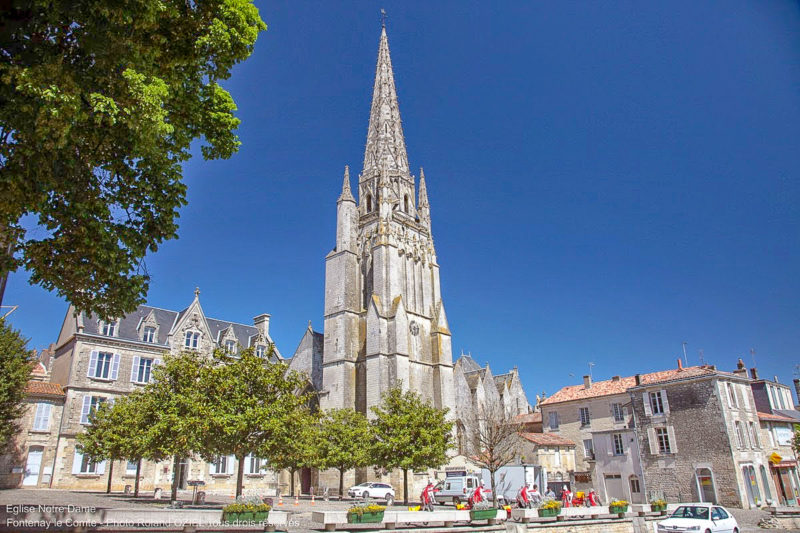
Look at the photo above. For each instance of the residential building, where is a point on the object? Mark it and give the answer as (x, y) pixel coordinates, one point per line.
(29, 461)
(695, 428)
(96, 361)
(552, 452)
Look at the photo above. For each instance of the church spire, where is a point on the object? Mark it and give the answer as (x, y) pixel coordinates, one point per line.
(423, 209)
(386, 148)
(346, 195)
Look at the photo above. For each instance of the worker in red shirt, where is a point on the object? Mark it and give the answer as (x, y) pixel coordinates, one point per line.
(566, 497)
(593, 499)
(427, 496)
(477, 496)
(523, 499)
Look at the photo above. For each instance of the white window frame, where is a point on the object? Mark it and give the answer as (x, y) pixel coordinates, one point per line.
(108, 329)
(261, 351)
(741, 436)
(90, 405)
(41, 420)
(219, 467)
(557, 458)
(251, 461)
(136, 369)
(130, 468)
(588, 448)
(230, 347)
(754, 436)
(657, 403)
(732, 401)
(617, 444)
(83, 466)
(663, 441)
(149, 334)
(192, 340)
(585, 416)
(105, 370)
(617, 411)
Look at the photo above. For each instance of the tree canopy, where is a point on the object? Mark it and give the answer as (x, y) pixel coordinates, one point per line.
(99, 104)
(409, 434)
(15, 371)
(344, 441)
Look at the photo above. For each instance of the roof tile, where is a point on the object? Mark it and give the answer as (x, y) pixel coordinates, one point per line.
(43, 388)
(547, 439)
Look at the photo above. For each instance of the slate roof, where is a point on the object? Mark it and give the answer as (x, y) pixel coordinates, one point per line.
(503, 379)
(474, 377)
(546, 439)
(43, 388)
(468, 364)
(618, 386)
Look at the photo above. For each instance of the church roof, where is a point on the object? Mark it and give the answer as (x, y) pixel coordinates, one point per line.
(386, 147)
(468, 364)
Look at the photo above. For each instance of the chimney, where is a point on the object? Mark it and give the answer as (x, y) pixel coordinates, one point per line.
(615, 378)
(776, 379)
(261, 322)
(587, 382)
(680, 364)
(754, 373)
(740, 364)
(797, 389)
(638, 378)
(740, 369)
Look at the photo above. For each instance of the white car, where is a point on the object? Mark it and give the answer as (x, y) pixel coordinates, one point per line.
(701, 517)
(378, 491)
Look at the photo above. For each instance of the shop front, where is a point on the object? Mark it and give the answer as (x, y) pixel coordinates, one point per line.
(784, 474)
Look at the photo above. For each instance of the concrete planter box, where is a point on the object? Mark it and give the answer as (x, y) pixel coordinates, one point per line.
(548, 512)
(366, 518)
(230, 518)
(618, 509)
(658, 508)
(482, 514)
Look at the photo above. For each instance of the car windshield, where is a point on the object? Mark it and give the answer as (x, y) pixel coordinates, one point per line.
(367, 484)
(691, 511)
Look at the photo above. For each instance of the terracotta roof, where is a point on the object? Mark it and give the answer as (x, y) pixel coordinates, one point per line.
(529, 418)
(546, 439)
(39, 369)
(620, 385)
(775, 418)
(43, 388)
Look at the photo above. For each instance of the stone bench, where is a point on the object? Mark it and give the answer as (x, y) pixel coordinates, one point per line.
(526, 515)
(331, 519)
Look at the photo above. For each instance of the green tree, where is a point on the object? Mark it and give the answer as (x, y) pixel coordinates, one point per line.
(292, 445)
(118, 431)
(15, 371)
(796, 440)
(250, 406)
(343, 442)
(99, 104)
(410, 434)
(172, 409)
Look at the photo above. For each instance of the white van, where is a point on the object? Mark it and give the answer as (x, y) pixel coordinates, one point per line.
(457, 487)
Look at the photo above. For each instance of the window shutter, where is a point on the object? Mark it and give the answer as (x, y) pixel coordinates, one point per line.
(610, 449)
(115, 367)
(135, 369)
(651, 437)
(100, 468)
(76, 462)
(646, 400)
(673, 444)
(665, 401)
(87, 404)
(92, 364)
(212, 467)
(42, 420)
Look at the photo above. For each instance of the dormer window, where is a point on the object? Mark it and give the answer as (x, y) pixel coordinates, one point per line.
(108, 329)
(230, 346)
(149, 334)
(261, 351)
(192, 340)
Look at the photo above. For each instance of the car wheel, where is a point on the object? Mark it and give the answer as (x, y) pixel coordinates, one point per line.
(708, 531)
(736, 530)
(389, 500)
(365, 495)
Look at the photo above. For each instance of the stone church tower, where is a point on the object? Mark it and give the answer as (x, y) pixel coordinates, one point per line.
(384, 318)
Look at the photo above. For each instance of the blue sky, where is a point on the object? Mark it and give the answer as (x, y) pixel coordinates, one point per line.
(607, 180)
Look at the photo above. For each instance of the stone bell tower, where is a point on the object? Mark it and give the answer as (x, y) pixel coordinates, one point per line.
(384, 318)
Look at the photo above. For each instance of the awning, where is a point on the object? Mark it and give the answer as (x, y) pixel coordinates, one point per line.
(785, 464)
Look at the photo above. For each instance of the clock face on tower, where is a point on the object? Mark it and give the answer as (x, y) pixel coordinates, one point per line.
(414, 328)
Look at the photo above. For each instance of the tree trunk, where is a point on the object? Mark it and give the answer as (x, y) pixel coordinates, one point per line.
(110, 473)
(136, 483)
(341, 484)
(4, 248)
(175, 464)
(239, 476)
(494, 492)
(405, 486)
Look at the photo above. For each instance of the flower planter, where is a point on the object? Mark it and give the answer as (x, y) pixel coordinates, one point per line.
(240, 517)
(261, 516)
(365, 518)
(658, 508)
(548, 512)
(621, 509)
(482, 514)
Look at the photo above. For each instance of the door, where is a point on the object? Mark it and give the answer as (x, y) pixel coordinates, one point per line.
(305, 481)
(33, 466)
(723, 522)
(705, 485)
(615, 489)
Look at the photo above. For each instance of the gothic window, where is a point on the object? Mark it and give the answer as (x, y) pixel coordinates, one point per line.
(369, 203)
(405, 204)
(149, 334)
(192, 340)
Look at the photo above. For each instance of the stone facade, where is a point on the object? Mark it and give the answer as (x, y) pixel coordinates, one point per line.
(29, 460)
(96, 361)
(552, 452)
(694, 437)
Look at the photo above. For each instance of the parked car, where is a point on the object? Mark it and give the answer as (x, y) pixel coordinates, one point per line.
(370, 489)
(701, 517)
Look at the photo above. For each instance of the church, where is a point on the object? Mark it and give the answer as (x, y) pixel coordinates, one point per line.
(385, 321)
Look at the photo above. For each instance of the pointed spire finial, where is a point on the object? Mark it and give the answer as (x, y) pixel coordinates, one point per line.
(423, 190)
(386, 147)
(347, 194)
(196, 293)
(383, 18)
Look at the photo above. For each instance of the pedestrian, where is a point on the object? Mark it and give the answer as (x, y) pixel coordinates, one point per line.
(550, 495)
(593, 499)
(566, 497)
(523, 499)
(427, 496)
(535, 496)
